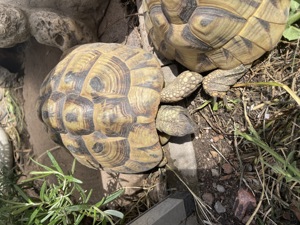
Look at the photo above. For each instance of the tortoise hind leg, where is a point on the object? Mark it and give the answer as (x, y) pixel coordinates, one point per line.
(218, 82)
(175, 121)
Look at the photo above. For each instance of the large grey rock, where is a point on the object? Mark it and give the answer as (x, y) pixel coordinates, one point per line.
(58, 23)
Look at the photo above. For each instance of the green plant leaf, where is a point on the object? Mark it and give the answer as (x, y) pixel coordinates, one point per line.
(54, 162)
(42, 191)
(295, 4)
(21, 209)
(49, 214)
(22, 193)
(42, 165)
(100, 203)
(33, 216)
(291, 33)
(73, 167)
(73, 179)
(290, 157)
(77, 208)
(113, 196)
(114, 213)
(79, 219)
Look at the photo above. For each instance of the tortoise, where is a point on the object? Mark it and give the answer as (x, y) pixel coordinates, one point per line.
(204, 35)
(101, 102)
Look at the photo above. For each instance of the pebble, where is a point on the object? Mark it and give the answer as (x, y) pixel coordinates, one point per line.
(215, 173)
(208, 198)
(227, 168)
(220, 188)
(214, 154)
(248, 167)
(219, 207)
(217, 138)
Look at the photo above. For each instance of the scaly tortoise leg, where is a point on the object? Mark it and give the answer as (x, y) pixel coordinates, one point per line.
(218, 82)
(174, 121)
(185, 84)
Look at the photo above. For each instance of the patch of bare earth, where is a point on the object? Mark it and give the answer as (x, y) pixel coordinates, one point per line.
(228, 164)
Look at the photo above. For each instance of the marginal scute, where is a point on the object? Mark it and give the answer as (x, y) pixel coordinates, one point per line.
(101, 101)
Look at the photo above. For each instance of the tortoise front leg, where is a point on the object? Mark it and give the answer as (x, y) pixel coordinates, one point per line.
(185, 84)
(218, 82)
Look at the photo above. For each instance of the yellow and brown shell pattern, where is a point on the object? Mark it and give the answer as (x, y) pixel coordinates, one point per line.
(101, 100)
(207, 34)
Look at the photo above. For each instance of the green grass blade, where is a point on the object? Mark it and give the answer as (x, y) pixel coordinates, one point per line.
(33, 216)
(73, 179)
(42, 165)
(54, 162)
(113, 196)
(42, 191)
(22, 193)
(20, 209)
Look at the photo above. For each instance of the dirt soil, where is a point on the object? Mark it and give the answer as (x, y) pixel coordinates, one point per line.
(225, 163)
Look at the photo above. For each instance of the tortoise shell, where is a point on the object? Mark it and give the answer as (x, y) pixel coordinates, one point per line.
(206, 34)
(101, 101)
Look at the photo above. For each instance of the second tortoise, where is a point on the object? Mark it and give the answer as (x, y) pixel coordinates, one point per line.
(204, 35)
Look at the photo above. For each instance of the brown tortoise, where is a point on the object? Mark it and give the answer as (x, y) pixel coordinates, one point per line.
(101, 101)
(204, 35)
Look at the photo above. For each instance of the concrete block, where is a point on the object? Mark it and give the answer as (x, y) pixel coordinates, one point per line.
(171, 211)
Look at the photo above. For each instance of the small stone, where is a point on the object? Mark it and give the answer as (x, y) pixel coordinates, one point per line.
(220, 188)
(219, 207)
(214, 154)
(248, 167)
(216, 139)
(227, 168)
(208, 198)
(215, 173)
(221, 137)
(214, 185)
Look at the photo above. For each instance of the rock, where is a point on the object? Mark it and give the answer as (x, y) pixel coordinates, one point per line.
(57, 23)
(208, 198)
(227, 168)
(14, 27)
(215, 173)
(219, 207)
(54, 29)
(214, 154)
(6, 77)
(220, 188)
